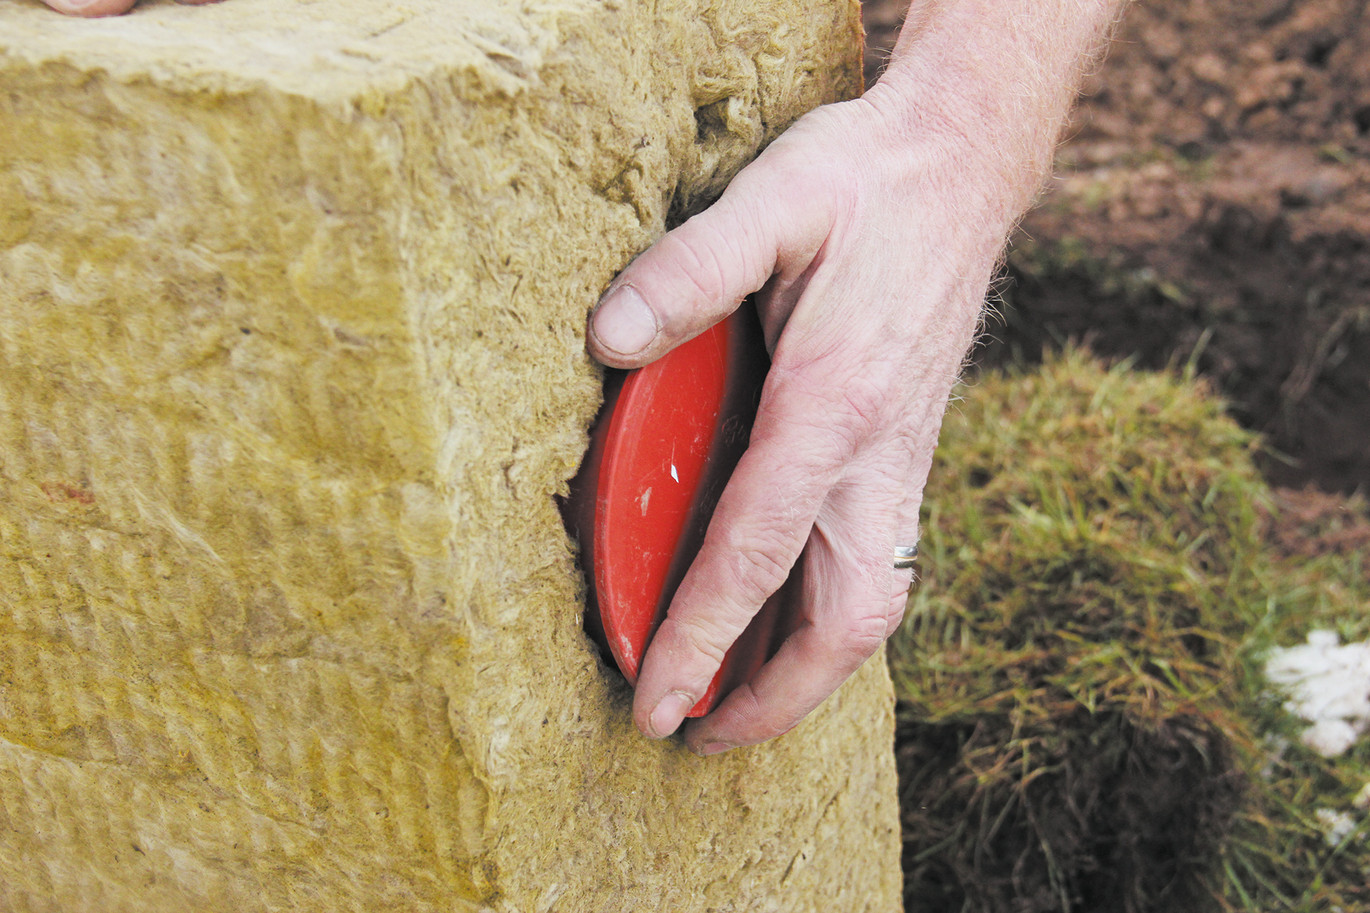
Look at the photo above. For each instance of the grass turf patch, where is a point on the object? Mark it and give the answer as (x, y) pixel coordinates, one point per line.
(1082, 720)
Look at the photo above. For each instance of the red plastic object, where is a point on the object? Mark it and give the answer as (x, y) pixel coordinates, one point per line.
(664, 447)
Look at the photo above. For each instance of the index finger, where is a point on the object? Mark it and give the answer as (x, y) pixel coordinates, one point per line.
(848, 597)
(758, 530)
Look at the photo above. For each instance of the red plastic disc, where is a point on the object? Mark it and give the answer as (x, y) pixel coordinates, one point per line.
(664, 447)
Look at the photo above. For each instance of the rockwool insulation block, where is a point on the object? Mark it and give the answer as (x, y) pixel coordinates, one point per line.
(292, 304)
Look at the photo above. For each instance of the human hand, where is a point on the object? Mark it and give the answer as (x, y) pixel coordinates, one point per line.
(93, 8)
(869, 233)
(869, 249)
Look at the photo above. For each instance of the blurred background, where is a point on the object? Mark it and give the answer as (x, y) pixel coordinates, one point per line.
(1135, 673)
(1212, 202)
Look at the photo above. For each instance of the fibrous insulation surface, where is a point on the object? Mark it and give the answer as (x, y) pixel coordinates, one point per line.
(292, 298)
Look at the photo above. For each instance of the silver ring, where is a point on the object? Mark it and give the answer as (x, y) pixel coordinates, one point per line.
(905, 556)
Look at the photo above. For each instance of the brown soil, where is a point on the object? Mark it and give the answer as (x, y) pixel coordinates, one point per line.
(1310, 523)
(1211, 209)
(1212, 206)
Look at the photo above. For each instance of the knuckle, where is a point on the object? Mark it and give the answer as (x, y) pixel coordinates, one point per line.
(755, 569)
(859, 638)
(711, 262)
(697, 640)
(848, 408)
(699, 266)
(870, 401)
(746, 706)
(894, 613)
(798, 447)
(749, 713)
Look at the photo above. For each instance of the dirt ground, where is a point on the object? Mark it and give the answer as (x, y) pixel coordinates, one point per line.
(1212, 206)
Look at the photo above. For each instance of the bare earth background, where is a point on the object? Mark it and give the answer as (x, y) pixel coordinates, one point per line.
(1212, 203)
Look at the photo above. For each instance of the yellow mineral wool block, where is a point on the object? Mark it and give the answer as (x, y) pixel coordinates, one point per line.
(292, 304)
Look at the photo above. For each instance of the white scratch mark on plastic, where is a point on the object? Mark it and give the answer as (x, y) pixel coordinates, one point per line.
(674, 475)
(644, 500)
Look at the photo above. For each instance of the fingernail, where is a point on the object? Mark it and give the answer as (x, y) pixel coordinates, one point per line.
(623, 323)
(714, 748)
(669, 713)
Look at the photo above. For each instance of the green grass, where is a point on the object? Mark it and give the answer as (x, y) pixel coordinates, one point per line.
(1082, 722)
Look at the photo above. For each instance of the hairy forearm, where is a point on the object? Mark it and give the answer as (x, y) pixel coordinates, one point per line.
(1000, 75)
(866, 235)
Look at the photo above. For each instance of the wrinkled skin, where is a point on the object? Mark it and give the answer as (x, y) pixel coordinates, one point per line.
(869, 232)
(870, 286)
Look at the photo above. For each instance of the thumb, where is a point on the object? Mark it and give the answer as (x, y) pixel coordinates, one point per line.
(685, 283)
